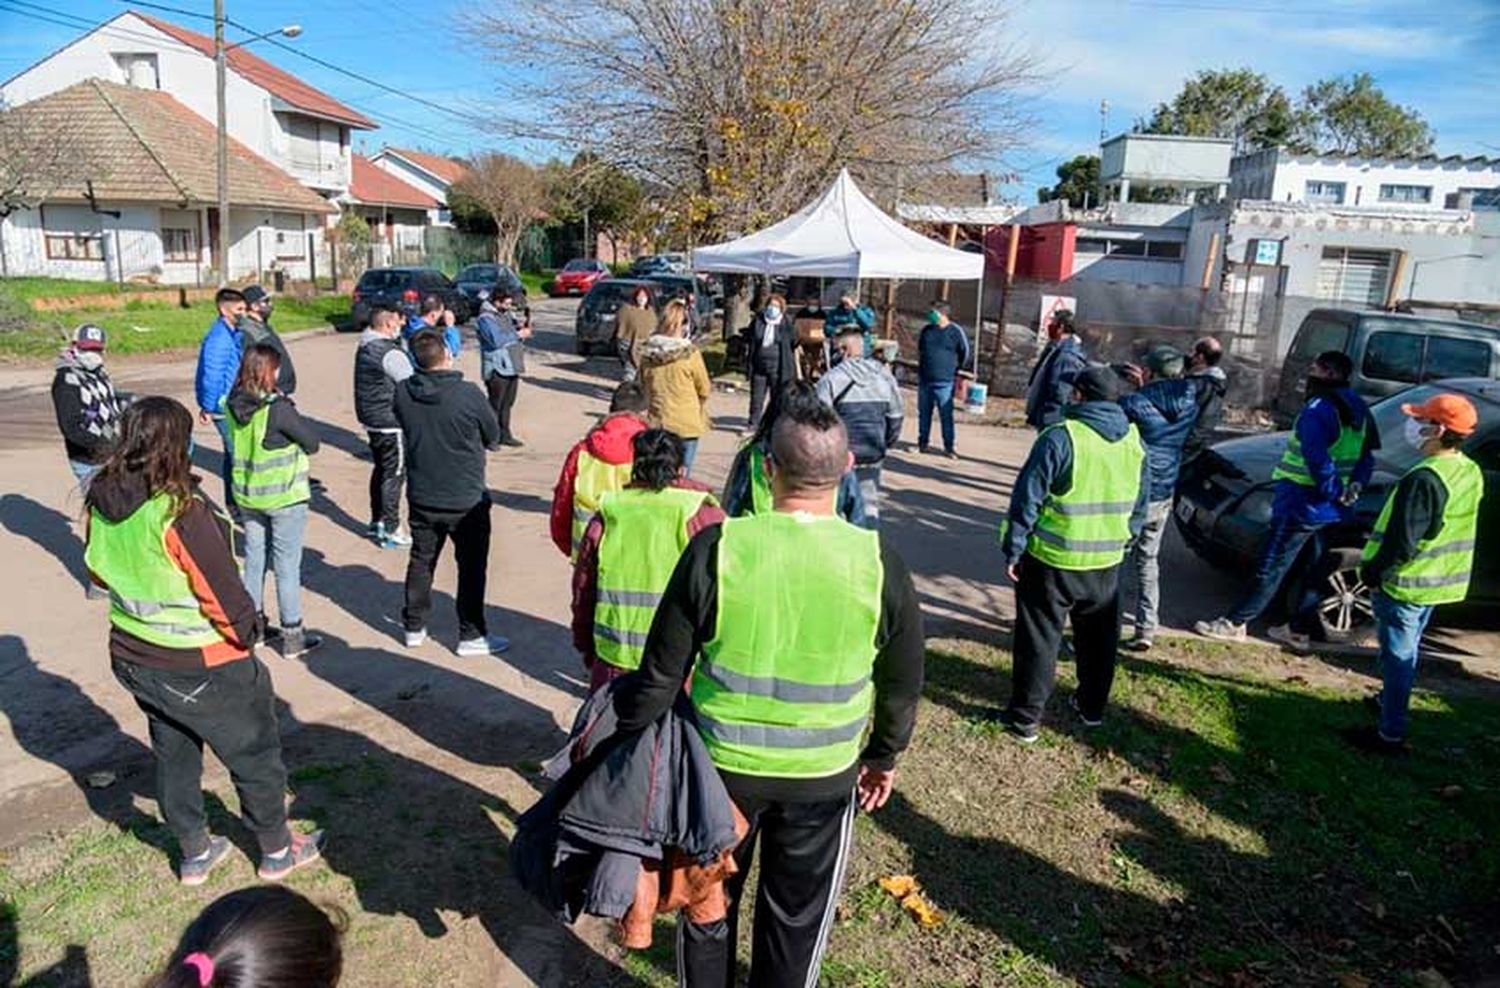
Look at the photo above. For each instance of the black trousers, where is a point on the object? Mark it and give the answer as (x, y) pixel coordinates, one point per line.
(804, 850)
(388, 450)
(502, 392)
(764, 383)
(1045, 598)
(231, 708)
(470, 532)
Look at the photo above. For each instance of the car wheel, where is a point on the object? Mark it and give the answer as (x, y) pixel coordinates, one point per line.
(1344, 608)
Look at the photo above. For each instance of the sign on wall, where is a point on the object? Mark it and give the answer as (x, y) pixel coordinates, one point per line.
(1266, 253)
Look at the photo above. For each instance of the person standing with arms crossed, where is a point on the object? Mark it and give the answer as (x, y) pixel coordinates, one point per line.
(1421, 552)
(380, 365)
(218, 366)
(1079, 501)
(502, 356)
(784, 694)
(942, 351)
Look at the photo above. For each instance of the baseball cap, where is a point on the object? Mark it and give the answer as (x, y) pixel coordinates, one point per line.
(256, 293)
(89, 337)
(1098, 384)
(1453, 412)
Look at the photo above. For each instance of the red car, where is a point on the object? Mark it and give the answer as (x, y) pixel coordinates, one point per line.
(578, 276)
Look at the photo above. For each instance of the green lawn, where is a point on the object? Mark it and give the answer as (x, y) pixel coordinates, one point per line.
(536, 282)
(1216, 830)
(31, 287)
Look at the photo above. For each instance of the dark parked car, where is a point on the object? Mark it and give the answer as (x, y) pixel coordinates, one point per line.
(1223, 504)
(688, 288)
(1390, 352)
(478, 278)
(404, 288)
(577, 277)
(594, 329)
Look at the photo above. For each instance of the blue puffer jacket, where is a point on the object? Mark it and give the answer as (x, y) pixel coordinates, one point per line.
(1165, 412)
(218, 365)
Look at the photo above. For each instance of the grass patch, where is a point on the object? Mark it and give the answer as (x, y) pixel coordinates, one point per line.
(34, 287)
(1216, 830)
(153, 327)
(536, 282)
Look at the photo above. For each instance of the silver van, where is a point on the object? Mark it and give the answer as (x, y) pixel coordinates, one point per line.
(1390, 352)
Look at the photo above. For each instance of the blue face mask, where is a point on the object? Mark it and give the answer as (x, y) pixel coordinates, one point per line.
(773, 312)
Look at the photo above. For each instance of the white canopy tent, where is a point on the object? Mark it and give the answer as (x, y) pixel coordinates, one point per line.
(841, 234)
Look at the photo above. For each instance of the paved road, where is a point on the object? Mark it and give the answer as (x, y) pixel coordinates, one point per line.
(68, 716)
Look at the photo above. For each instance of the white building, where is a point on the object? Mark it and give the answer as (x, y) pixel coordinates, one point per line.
(396, 212)
(433, 174)
(280, 118)
(1186, 165)
(1420, 183)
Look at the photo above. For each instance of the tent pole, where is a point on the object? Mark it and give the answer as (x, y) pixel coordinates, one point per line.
(979, 323)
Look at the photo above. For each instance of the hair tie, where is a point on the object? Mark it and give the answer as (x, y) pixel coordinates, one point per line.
(205, 966)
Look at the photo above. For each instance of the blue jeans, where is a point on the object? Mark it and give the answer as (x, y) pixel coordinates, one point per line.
(1399, 627)
(937, 394)
(1283, 545)
(689, 454)
(286, 528)
(221, 422)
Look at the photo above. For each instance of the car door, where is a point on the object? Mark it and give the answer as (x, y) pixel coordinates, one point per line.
(1320, 331)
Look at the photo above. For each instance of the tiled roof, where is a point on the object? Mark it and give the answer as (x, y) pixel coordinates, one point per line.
(374, 186)
(147, 147)
(447, 169)
(277, 82)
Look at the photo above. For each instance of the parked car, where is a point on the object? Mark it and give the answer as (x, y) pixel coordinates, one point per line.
(652, 264)
(578, 276)
(594, 328)
(1223, 504)
(405, 288)
(1390, 352)
(686, 287)
(478, 278)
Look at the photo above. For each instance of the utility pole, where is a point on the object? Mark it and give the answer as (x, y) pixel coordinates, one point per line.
(221, 253)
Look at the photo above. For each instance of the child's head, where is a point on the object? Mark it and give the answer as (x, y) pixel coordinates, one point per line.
(262, 937)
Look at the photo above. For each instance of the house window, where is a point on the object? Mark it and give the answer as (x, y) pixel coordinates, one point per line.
(138, 69)
(1487, 199)
(1324, 193)
(179, 244)
(1360, 277)
(1091, 245)
(71, 233)
(1162, 250)
(1406, 193)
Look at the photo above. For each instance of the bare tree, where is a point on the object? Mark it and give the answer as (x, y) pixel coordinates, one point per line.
(744, 109)
(509, 191)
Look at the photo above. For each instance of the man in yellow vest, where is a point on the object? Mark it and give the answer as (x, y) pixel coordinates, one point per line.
(1079, 501)
(1421, 551)
(796, 626)
(597, 464)
(1329, 457)
(628, 552)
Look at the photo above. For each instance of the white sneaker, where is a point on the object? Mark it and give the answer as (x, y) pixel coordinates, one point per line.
(416, 639)
(399, 538)
(1284, 634)
(490, 645)
(1221, 629)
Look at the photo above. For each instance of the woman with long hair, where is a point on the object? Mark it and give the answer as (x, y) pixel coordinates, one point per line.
(259, 937)
(181, 640)
(676, 379)
(271, 443)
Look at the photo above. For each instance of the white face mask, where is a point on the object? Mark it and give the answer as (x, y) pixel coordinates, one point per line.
(1417, 433)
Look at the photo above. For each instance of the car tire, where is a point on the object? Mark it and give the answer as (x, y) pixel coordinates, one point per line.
(1344, 607)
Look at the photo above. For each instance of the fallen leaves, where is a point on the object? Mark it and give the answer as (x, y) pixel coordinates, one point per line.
(906, 890)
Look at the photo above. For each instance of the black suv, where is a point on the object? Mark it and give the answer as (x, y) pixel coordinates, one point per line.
(478, 278)
(404, 288)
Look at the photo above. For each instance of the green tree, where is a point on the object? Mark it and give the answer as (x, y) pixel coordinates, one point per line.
(1350, 115)
(612, 197)
(1077, 182)
(1237, 103)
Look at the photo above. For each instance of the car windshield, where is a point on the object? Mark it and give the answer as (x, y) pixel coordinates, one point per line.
(578, 264)
(1396, 454)
(375, 281)
(480, 272)
(608, 294)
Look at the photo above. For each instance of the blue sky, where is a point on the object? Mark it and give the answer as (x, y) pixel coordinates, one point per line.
(1438, 58)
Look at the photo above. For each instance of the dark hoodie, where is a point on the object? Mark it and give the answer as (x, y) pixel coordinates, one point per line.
(1049, 470)
(448, 424)
(285, 427)
(198, 542)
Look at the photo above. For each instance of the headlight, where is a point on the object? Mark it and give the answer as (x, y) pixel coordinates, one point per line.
(1256, 506)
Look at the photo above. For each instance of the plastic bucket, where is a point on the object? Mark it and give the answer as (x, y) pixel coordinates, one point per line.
(976, 398)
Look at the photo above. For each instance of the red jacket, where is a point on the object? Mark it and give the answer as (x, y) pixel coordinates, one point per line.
(611, 441)
(586, 570)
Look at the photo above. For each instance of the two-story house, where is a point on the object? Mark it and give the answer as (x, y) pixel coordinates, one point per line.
(433, 174)
(1425, 182)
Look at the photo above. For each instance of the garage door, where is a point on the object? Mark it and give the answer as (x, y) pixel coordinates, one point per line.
(1356, 277)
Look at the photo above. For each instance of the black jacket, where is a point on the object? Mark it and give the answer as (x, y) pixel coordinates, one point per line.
(774, 361)
(252, 332)
(448, 424)
(285, 425)
(687, 618)
(379, 365)
(88, 409)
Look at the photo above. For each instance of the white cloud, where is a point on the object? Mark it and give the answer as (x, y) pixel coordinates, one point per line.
(1385, 42)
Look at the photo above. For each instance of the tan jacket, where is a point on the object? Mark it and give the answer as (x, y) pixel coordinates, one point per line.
(635, 327)
(677, 385)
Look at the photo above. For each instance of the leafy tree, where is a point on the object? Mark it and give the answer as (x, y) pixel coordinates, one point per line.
(351, 238)
(1237, 103)
(611, 197)
(1077, 182)
(1350, 115)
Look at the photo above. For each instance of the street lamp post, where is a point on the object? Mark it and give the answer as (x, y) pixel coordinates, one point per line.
(221, 251)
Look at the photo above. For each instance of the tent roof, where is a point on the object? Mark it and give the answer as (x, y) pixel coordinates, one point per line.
(842, 234)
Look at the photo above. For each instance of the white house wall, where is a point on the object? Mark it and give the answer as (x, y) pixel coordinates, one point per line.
(411, 175)
(253, 250)
(1282, 177)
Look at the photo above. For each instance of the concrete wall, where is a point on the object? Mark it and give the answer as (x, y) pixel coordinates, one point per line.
(1282, 177)
(1166, 160)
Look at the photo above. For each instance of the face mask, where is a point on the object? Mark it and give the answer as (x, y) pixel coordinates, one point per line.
(265, 311)
(1417, 434)
(934, 317)
(1317, 387)
(773, 312)
(89, 359)
(192, 447)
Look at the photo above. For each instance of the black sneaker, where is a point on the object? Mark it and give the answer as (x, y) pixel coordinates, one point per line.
(950, 454)
(512, 441)
(1023, 733)
(1372, 742)
(303, 850)
(924, 449)
(194, 871)
(1084, 718)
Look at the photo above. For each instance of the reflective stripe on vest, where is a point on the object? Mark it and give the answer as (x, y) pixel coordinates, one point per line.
(1088, 527)
(150, 596)
(265, 479)
(783, 689)
(645, 532)
(1439, 572)
(1345, 454)
(593, 479)
(760, 481)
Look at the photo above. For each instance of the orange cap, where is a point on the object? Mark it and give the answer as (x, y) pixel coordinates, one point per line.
(1453, 412)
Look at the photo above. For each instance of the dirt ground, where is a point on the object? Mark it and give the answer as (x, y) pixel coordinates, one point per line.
(469, 720)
